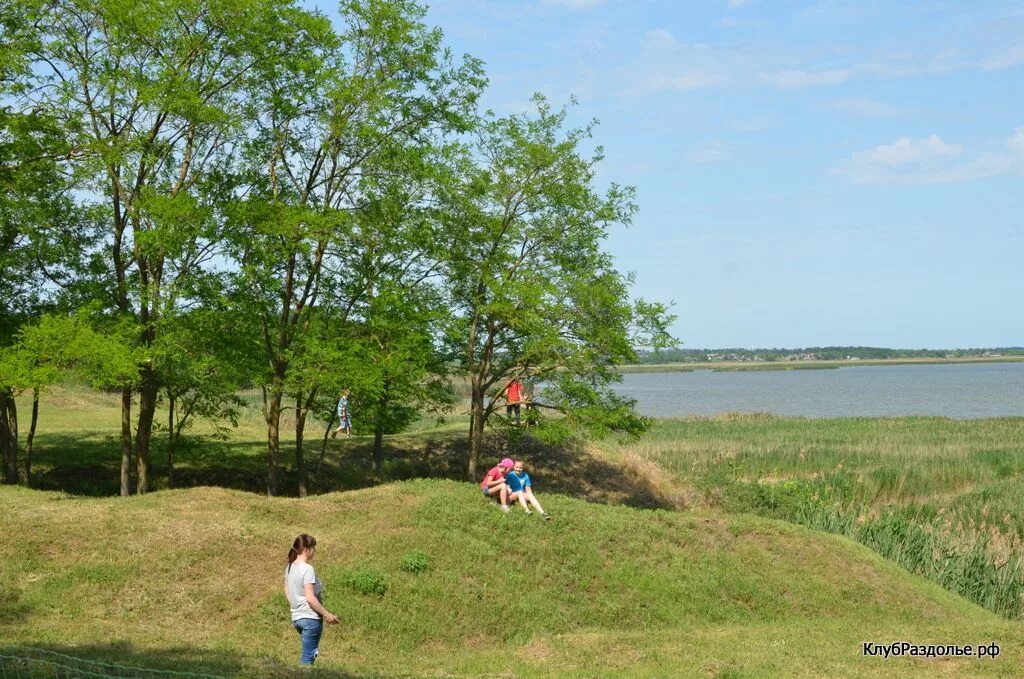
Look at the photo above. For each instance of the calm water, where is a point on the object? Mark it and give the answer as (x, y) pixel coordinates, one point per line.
(961, 391)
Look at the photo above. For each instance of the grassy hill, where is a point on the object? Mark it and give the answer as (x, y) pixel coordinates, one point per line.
(191, 579)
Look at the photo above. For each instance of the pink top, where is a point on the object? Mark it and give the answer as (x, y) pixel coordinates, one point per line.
(514, 392)
(492, 475)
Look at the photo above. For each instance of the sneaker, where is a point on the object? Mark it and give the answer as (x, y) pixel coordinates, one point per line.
(529, 512)
(545, 516)
(505, 509)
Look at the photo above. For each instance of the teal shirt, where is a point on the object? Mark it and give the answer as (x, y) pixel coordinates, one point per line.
(517, 482)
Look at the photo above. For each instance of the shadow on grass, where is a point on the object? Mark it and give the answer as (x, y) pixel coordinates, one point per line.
(121, 659)
(90, 465)
(570, 469)
(12, 608)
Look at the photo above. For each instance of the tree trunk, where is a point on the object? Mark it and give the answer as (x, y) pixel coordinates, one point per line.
(12, 424)
(143, 435)
(323, 446)
(273, 417)
(378, 447)
(5, 435)
(31, 436)
(476, 428)
(9, 436)
(126, 441)
(300, 427)
(170, 440)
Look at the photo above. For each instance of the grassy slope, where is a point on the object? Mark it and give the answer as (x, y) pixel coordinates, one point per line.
(941, 497)
(192, 578)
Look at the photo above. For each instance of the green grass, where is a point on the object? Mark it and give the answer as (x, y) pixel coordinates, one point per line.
(192, 579)
(430, 580)
(940, 497)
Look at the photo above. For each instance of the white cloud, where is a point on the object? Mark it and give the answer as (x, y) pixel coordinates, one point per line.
(659, 38)
(669, 64)
(666, 63)
(714, 152)
(906, 150)
(756, 123)
(866, 108)
(1016, 143)
(798, 78)
(930, 161)
(1007, 59)
(575, 4)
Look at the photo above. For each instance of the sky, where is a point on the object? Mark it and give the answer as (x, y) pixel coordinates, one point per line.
(808, 173)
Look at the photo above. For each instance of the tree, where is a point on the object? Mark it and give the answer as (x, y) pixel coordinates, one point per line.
(35, 362)
(207, 357)
(533, 292)
(45, 351)
(149, 96)
(406, 373)
(400, 371)
(335, 109)
(42, 238)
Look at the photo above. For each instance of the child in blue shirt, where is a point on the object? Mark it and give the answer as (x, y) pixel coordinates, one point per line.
(521, 491)
(344, 418)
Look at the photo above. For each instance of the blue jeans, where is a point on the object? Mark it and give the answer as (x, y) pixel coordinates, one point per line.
(310, 630)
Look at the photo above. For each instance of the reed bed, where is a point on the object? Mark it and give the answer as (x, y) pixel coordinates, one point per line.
(943, 498)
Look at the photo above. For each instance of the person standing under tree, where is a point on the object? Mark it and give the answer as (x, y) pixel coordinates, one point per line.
(344, 418)
(514, 399)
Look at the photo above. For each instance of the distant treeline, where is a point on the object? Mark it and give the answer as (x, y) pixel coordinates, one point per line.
(815, 354)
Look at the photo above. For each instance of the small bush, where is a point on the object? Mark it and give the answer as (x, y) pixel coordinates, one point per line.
(415, 561)
(367, 581)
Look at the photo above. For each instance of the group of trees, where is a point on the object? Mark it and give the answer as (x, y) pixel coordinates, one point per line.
(200, 196)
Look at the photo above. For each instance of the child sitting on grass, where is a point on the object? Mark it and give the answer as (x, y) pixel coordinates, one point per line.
(493, 484)
(521, 491)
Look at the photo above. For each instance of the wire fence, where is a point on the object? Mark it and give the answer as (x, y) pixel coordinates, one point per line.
(35, 663)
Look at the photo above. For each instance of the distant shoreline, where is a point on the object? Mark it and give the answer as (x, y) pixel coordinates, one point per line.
(736, 366)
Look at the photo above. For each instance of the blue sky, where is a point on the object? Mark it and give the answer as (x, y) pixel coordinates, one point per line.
(808, 173)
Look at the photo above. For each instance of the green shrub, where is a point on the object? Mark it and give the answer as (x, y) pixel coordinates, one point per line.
(368, 581)
(415, 561)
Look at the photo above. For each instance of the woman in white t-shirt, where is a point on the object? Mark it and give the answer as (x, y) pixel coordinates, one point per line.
(302, 589)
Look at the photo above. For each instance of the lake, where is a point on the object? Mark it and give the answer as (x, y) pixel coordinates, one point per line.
(968, 390)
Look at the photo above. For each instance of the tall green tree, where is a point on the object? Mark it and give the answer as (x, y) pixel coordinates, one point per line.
(402, 372)
(150, 96)
(208, 356)
(533, 291)
(50, 347)
(407, 373)
(42, 238)
(335, 110)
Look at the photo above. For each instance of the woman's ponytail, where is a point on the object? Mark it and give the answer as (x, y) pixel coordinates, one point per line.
(302, 543)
